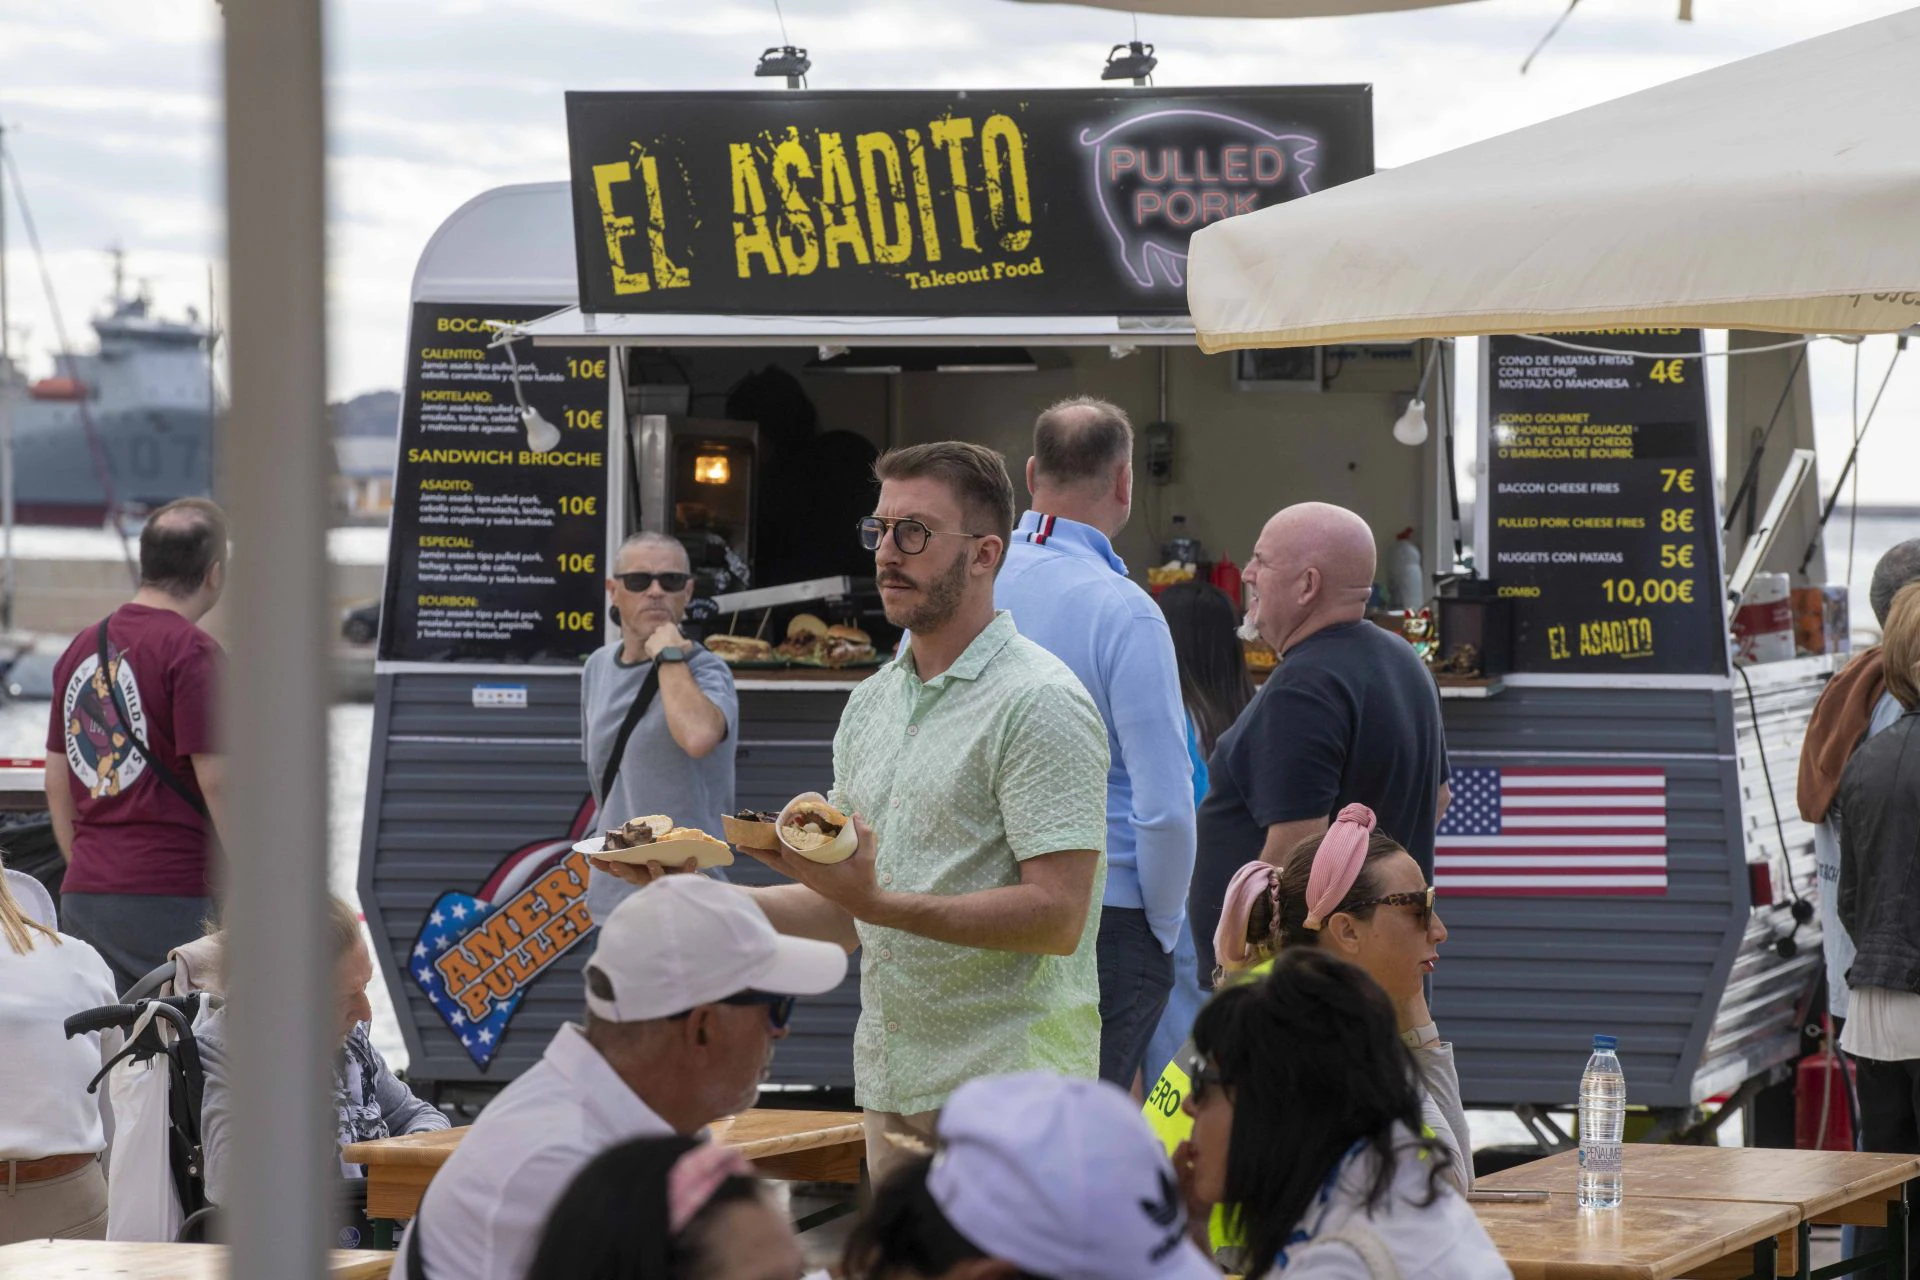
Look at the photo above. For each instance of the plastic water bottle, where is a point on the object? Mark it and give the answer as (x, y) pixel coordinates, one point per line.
(1603, 1119)
(1409, 580)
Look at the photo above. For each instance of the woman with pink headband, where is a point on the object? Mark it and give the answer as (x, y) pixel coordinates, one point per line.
(667, 1209)
(1354, 893)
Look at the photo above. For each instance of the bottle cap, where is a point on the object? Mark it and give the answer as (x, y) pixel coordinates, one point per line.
(1607, 1043)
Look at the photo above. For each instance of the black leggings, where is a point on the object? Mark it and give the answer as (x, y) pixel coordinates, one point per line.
(1889, 1121)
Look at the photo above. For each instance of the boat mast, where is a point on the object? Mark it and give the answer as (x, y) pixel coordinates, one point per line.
(6, 410)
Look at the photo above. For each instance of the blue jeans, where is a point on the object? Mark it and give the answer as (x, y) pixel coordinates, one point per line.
(1183, 1006)
(1135, 975)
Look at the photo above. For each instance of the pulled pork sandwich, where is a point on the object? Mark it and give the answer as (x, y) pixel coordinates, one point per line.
(751, 829)
(636, 832)
(806, 636)
(732, 649)
(845, 645)
(816, 830)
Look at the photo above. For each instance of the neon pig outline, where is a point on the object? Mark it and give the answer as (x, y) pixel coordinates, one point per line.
(1172, 261)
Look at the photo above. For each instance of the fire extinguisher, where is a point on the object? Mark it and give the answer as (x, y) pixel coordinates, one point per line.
(1823, 1098)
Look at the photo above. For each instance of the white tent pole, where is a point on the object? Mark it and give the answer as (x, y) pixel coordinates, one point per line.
(275, 469)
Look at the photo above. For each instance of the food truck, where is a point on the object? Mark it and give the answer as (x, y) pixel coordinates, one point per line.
(739, 299)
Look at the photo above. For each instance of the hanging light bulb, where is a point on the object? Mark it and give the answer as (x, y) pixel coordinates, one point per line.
(1411, 429)
(542, 435)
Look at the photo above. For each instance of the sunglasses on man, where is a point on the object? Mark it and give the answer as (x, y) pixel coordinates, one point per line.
(908, 535)
(638, 582)
(779, 1008)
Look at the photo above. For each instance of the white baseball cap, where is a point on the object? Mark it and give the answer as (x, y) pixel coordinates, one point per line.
(688, 941)
(1062, 1178)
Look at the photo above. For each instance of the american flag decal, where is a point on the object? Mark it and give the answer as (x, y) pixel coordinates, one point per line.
(1571, 832)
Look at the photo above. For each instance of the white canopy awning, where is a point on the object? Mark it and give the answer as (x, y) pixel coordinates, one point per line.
(1255, 8)
(574, 327)
(1779, 193)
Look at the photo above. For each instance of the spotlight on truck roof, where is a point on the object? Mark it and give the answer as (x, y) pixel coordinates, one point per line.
(785, 60)
(1136, 64)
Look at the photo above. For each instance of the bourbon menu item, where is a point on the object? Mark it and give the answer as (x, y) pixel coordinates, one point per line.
(495, 543)
(1600, 513)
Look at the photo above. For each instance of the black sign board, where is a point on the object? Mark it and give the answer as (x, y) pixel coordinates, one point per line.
(494, 548)
(1599, 492)
(1006, 202)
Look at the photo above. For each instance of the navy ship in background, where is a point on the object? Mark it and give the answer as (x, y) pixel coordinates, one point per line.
(148, 393)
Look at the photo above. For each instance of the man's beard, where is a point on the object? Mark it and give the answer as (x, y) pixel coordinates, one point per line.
(939, 599)
(1249, 630)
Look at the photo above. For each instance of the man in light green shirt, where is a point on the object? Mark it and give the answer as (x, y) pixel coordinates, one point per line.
(977, 766)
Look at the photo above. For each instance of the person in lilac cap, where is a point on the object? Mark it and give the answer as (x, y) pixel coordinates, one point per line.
(1033, 1177)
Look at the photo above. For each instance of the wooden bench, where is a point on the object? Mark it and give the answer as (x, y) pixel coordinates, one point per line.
(1856, 1188)
(792, 1146)
(66, 1259)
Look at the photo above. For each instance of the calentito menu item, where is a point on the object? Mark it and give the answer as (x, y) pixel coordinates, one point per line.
(494, 548)
(1599, 493)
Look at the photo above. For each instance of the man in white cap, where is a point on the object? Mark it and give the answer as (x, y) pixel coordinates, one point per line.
(1039, 1174)
(687, 991)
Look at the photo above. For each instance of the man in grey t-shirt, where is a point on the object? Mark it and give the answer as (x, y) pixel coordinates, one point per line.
(679, 760)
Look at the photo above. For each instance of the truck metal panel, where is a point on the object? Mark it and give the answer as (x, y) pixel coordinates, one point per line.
(1689, 981)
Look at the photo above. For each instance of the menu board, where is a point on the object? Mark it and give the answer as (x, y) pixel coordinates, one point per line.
(1600, 512)
(494, 549)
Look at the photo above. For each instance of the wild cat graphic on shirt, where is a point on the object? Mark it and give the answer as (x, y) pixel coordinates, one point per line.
(100, 727)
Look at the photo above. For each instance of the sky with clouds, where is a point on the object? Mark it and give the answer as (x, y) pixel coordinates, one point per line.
(113, 109)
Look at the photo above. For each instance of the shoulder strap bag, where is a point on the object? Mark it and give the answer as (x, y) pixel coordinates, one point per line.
(641, 701)
(160, 770)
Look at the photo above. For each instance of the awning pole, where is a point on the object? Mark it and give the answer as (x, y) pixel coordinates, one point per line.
(276, 466)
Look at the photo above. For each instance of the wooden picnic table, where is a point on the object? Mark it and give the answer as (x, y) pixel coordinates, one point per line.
(1854, 1188)
(69, 1259)
(792, 1146)
(1646, 1238)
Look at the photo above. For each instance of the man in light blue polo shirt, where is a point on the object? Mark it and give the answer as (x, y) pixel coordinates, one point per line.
(1069, 592)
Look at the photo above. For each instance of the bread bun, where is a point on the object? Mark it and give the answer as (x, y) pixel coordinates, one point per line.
(854, 634)
(739, 649)
(805, 626)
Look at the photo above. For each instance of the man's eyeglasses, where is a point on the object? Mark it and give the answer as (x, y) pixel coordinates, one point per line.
(908, 535)
(1202, 1077)
(779, 1008)
(1421, 900)
(638, 582)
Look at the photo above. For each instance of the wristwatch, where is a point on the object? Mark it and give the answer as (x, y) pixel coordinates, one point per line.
(671, 653)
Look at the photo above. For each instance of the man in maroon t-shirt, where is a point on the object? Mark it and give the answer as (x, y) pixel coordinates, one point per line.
(132, 779)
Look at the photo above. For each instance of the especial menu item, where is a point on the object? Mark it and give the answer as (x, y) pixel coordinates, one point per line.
(1600, 511)
(495, 544)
